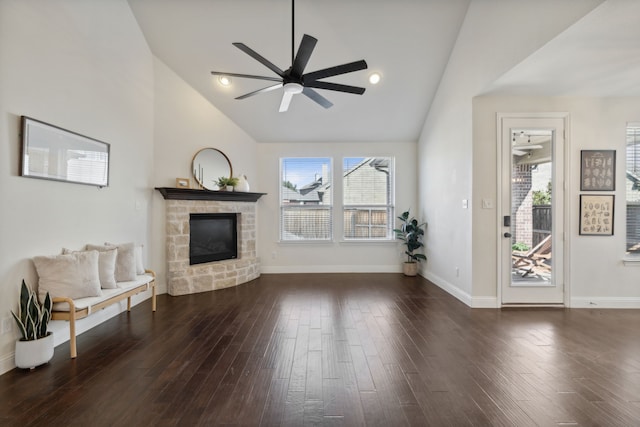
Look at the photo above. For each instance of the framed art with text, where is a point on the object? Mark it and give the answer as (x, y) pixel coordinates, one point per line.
(597, 170)
(596, 214)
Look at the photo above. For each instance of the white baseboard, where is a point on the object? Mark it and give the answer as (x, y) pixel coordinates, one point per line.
(485, 302)
(605, 302)
(7, 362)
(471, 301)
(448, 287)
(287, 269)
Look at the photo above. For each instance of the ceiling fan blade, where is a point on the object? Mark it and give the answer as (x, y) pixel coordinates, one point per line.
(317, 97)
(336, 87)
(304, 53)
(255, 55)
(286, 100)
(264, 89)
(246, 76)
(334, 71)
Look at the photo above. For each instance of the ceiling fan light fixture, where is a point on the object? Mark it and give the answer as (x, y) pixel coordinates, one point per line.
(224, 80)
(294, 80)
(374, 78)
(293, 88)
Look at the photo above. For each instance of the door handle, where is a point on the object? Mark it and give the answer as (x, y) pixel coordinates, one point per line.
(507, 234)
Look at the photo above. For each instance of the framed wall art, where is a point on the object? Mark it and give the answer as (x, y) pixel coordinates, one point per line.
(50, 152)
(597, 170)
(596, 214)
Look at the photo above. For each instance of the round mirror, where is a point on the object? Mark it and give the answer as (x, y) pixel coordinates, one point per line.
(208, 165)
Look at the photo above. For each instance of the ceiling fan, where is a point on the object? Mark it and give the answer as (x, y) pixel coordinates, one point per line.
(293, 79)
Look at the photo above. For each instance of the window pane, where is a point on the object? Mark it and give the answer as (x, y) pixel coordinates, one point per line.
(302, 223)
(368, 197)
(632, 182)
(305, 198)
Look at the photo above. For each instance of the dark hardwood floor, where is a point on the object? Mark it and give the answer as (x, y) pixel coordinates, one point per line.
(337, 349)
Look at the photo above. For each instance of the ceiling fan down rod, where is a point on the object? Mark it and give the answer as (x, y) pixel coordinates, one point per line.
(293, 15)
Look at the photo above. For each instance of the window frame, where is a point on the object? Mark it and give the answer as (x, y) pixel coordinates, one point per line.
(282, 208)
(389, 207)
(633, 256)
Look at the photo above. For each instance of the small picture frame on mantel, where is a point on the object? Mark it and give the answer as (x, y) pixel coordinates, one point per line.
(598, 170)
(182, 183)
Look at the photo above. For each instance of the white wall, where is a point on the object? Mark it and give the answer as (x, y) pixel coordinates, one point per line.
(185, 122)
(491, 41)
(597, 274)
(83, 66)
(335, 256)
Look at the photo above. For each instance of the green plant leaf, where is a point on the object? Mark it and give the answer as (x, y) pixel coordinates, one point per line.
(45, 316)
(24, 301)
(23, 329)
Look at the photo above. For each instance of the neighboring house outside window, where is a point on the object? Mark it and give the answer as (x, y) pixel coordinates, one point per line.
(632, 183)
(305, 199)
(368, 201)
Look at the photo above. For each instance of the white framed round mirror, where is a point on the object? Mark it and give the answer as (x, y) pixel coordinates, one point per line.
(208, 165)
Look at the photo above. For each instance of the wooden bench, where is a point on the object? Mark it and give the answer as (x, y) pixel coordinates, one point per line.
(72, 310)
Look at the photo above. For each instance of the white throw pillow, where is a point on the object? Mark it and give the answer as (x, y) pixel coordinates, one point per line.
(106, 267)
(138, 254)
(73, 275)
(139, 263)
(125, 260)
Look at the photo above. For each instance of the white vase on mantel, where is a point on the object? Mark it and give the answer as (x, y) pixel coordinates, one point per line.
(242, 185)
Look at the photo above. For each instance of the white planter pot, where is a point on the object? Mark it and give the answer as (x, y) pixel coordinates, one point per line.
(30, 354)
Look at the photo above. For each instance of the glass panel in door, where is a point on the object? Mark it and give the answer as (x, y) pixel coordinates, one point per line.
(531, 207)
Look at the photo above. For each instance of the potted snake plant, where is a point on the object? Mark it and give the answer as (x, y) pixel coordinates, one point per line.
(36, 345)
(411, 232)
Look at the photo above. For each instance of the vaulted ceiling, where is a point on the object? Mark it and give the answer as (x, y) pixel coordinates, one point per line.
(407, 41)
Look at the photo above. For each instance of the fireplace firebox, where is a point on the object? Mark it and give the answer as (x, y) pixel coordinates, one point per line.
(212, 237)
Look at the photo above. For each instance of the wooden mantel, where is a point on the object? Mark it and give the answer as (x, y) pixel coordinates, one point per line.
(170, 193)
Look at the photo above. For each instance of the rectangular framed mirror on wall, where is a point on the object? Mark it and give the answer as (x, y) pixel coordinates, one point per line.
(50, 152)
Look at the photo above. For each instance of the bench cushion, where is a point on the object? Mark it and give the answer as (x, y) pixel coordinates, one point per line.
(88, 302)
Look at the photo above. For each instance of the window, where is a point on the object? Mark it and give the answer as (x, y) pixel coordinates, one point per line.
(367, 188)
(632, 182)
(305, 199)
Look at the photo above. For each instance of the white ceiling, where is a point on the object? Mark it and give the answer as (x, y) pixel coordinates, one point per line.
(407, 41)
(599, 56)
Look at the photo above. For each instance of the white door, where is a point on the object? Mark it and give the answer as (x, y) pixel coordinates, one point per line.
(532, 210)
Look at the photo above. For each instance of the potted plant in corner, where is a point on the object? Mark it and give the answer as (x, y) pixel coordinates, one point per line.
(36, 345)
(411, 232)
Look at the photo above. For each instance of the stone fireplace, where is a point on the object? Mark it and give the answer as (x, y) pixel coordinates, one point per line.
(183, 278)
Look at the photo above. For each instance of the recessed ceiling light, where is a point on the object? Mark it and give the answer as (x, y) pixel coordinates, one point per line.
(374, 78)
(224, 80)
